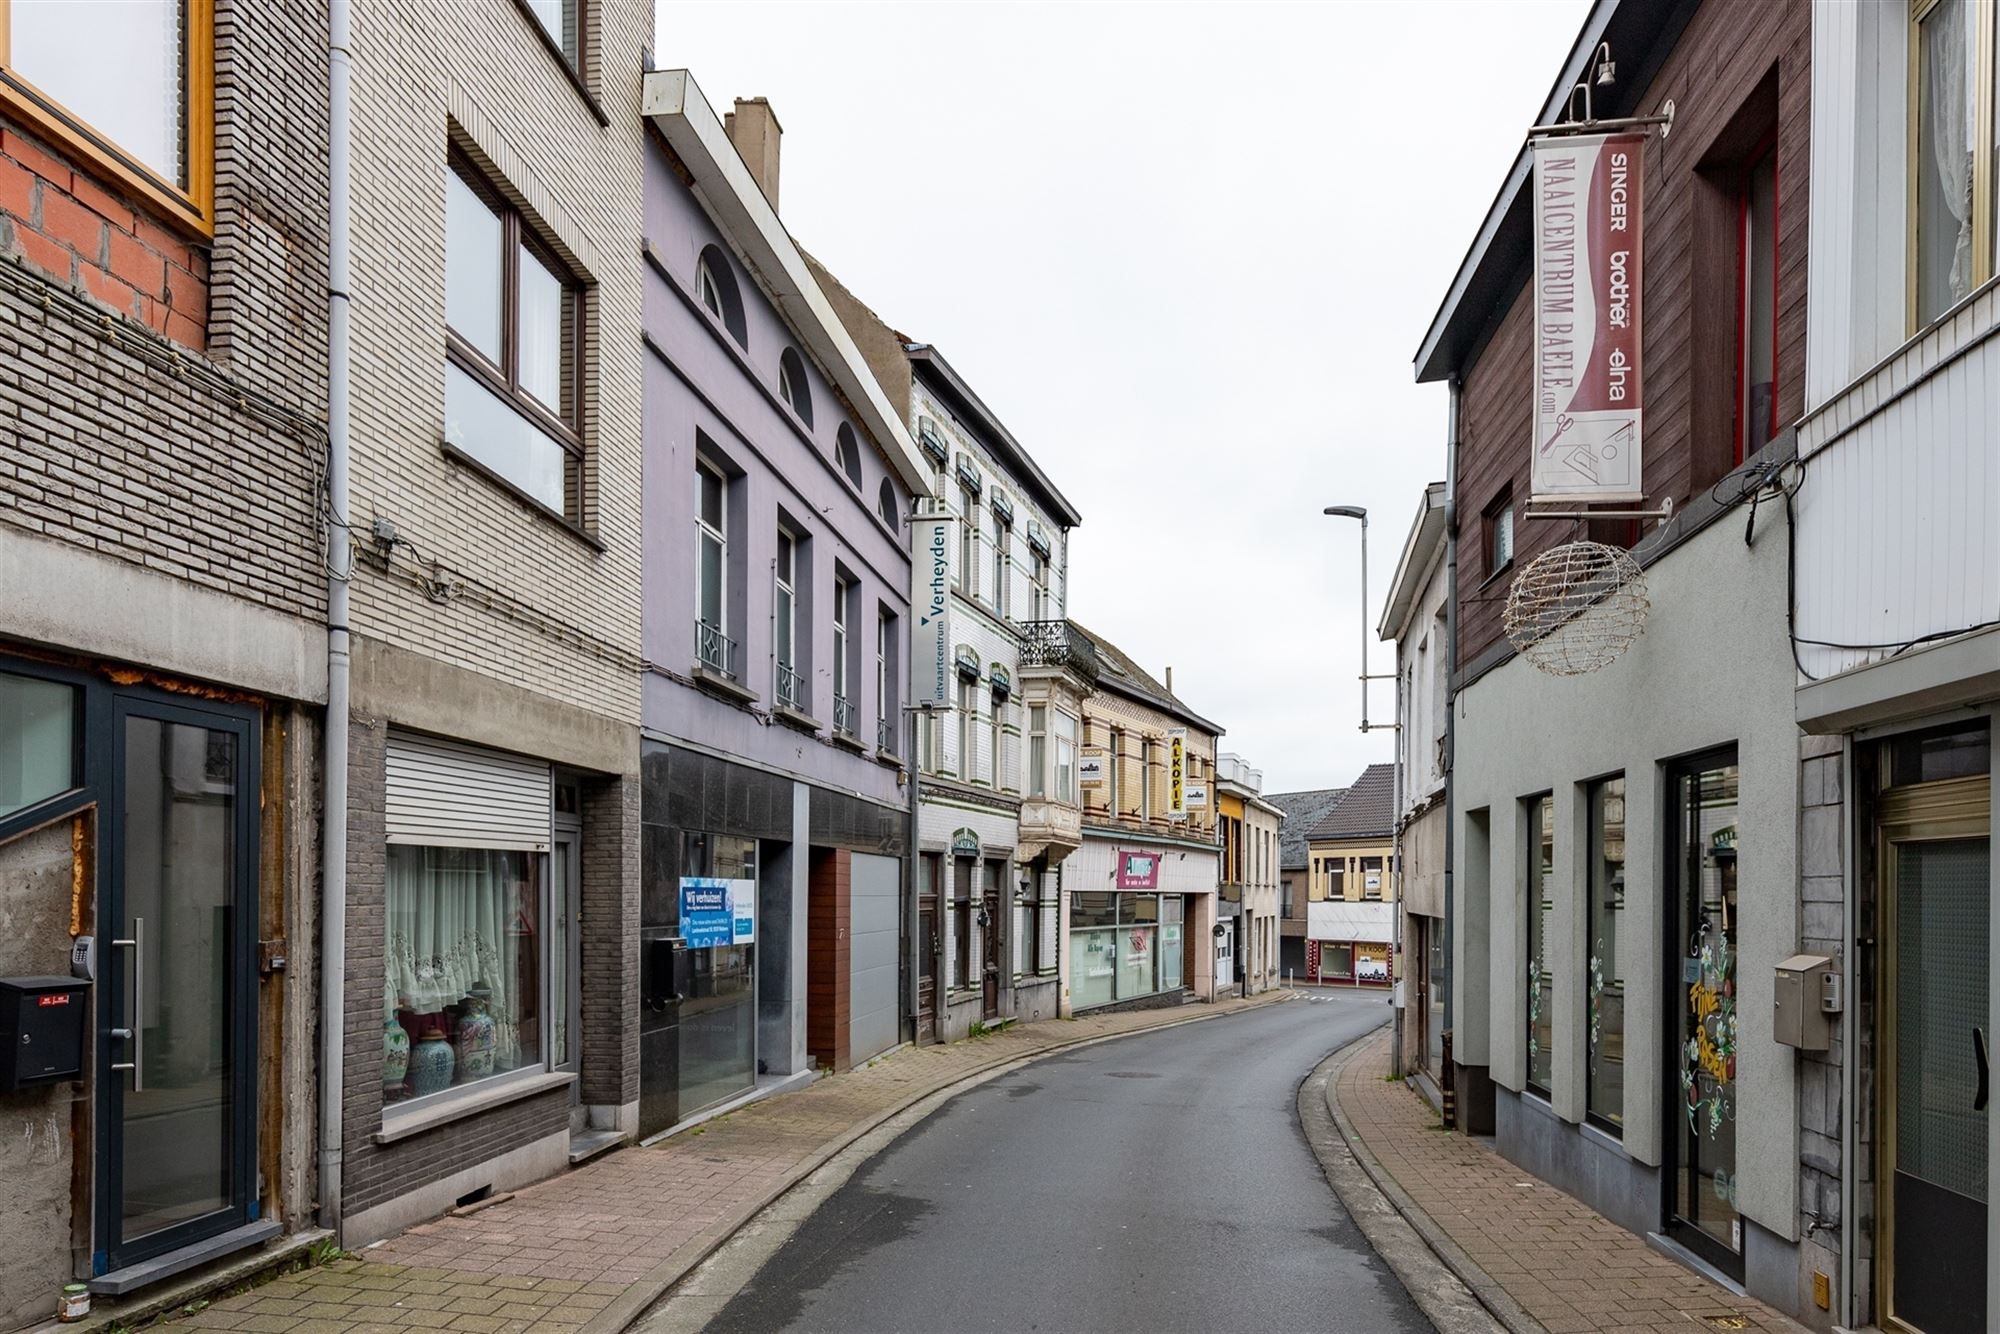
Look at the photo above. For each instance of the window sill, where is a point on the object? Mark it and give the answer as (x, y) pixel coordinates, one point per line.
(534, 506)
(792, 717)
(1491, 578)
(849, 741)
(726, 686)
(401, 1125)
(889, 760)
(563, 62)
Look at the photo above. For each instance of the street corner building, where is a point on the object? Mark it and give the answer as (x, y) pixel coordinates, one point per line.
(778, 491)
(1300, 813)
(1351, 885)
(1139, 915)
(163, 666)
(997, 690)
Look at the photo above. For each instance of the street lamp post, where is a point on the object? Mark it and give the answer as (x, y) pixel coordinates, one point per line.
(1396, 802)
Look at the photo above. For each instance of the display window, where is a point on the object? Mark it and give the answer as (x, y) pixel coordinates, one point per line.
(1123, 946)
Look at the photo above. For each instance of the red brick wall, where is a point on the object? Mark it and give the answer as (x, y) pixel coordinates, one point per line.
(77, 224)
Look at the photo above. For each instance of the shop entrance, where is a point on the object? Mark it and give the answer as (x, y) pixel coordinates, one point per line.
(177, 1011)
(1933, 866)
(1701, 849)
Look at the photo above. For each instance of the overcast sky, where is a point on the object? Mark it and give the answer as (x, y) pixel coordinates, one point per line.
(1186, 253)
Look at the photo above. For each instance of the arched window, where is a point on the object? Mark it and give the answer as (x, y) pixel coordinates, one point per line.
(892, 511)
(715, 287)
(792, 385)
(847, 455)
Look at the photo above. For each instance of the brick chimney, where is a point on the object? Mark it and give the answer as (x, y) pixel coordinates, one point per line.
(753, 127)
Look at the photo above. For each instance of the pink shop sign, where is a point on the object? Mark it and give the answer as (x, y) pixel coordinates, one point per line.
(1138, 870)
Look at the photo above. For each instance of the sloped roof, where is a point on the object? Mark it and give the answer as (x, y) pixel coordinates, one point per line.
(1128, 678)
(1302, 811)
(1367, 811)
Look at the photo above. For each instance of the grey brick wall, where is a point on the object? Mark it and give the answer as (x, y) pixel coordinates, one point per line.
(610, 1067)
(1823, 816)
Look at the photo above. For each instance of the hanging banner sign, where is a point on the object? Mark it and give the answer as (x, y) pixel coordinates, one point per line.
(1587, 382)
(1177, 773)
(930, 602)
(1197, 796)
(718, 912)
(1090, 768)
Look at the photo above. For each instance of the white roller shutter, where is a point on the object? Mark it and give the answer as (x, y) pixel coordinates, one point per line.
(443, 794)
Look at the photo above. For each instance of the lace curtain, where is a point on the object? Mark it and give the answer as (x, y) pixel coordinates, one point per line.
(458, 917)
(1949, 105)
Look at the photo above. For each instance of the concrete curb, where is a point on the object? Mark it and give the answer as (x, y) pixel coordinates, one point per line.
(1471, 1298)
(634, 1302)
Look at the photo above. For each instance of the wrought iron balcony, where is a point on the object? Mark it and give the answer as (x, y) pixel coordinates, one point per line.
(1057, 644)
(713, 649)
(843, 715)
(791, 687)
(885, 735)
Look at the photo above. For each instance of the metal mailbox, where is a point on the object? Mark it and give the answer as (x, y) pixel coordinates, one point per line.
(1798, 1020)
(41, 1030)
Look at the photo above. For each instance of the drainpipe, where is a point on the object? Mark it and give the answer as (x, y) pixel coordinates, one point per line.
(340, 567)
(1450, 712)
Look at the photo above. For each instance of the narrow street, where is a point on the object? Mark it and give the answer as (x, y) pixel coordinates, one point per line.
(1157, 1182)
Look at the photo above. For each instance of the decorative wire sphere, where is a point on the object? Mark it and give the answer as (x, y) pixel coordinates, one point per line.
(1576, 608)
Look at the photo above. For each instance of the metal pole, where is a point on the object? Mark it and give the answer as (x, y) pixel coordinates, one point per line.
(1364, 620)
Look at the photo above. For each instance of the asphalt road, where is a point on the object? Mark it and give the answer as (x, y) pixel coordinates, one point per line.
(1158, 1183)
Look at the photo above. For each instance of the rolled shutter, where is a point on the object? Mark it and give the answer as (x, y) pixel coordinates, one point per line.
(446, 795)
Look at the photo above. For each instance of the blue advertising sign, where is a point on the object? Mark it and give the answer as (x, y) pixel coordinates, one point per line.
(718, 912)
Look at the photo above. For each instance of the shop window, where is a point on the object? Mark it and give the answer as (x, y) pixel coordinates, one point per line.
(1371, 962)
(510, 399)
(38, 741)
(464, 964)
(718, 1051)
(136, 95)
(1336, 962)
(1540, 917)
(1607, 949)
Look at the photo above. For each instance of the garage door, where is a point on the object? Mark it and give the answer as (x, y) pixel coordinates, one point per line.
(875, 885)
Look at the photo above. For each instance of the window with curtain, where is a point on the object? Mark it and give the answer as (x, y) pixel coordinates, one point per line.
(1065, 758)
(464, 964)
(1038, 750)
(1539, 1034)
(1955, 155)
(968, 729)
(1002, 540)
(1606, 949)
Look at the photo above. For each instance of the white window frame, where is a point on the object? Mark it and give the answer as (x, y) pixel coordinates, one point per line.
(1063, 752)
(1002, 562)
(968, 727)
(785, 609)
(842, 590)
(1111, 773)
(968, 542)
(719, 533)
(788, 388)
(999, 738)
(1038, 750)
(708, 288)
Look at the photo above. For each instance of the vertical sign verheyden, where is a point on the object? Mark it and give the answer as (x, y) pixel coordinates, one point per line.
(1588, 241)
(932, 544)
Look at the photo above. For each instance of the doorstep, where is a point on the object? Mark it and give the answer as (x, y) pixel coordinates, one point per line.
(171, 1292)
(585, 1145)
(119, 1282)
(767, 1086)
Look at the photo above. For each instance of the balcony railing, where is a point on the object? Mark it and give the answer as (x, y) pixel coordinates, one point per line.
(885, 735)
(1057, 644)
(843, 715)
(791, 687)
(713, 649)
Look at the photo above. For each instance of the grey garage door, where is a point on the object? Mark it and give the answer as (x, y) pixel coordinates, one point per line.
(874, 886)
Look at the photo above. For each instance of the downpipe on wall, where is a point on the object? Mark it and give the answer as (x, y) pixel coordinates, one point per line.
(340, 568)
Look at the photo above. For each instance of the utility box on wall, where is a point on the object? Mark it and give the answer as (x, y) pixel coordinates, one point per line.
(41, 1030)
(1798, 1020)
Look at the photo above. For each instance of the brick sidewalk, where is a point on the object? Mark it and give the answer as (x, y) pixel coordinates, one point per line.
(1567, 1266)
(595, 1246)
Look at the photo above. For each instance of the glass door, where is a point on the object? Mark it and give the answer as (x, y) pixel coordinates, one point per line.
(177, 1038)
(1701, 1063)
(1935, 871)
